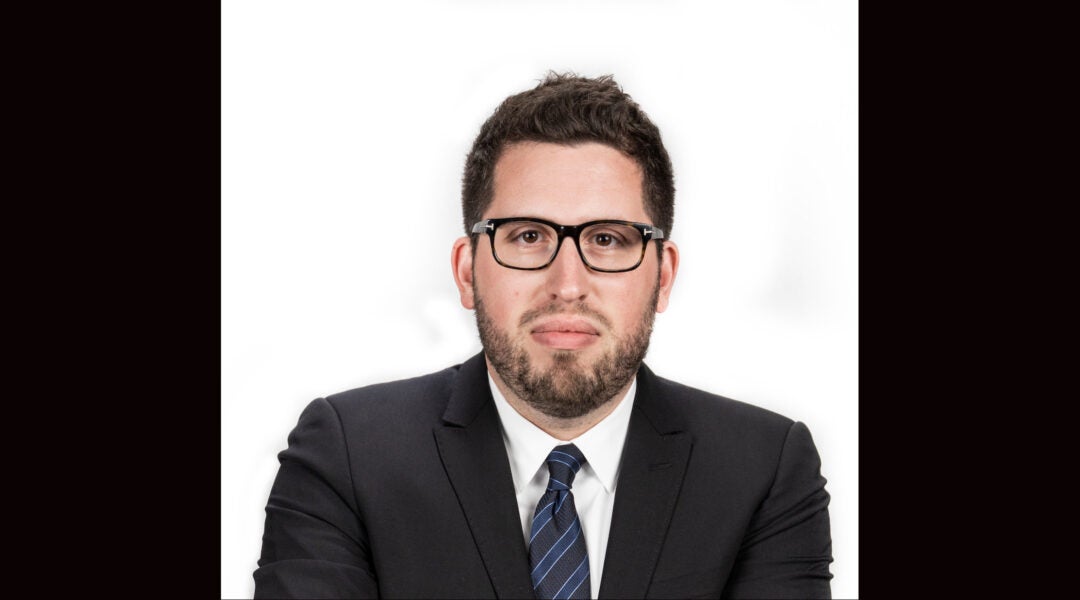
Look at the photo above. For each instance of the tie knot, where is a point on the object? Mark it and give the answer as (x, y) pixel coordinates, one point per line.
(563, 463)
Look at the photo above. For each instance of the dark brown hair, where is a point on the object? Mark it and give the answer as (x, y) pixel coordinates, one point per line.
(569, 109)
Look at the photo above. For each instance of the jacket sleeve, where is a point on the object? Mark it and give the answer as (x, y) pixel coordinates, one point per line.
(314, 542)
(788, 547)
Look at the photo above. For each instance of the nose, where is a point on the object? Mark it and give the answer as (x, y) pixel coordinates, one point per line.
(567, 275)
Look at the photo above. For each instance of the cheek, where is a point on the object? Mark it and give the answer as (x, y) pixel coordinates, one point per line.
(502, 298)
(632, 303)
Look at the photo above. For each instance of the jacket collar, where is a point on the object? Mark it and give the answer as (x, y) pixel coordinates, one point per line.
(470, 392)
(472, 451)
(653, 464)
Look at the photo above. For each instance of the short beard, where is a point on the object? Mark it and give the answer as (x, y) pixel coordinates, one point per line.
(569, 389)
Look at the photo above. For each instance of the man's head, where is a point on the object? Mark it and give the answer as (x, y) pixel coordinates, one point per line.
(566, 110)
(563, 337)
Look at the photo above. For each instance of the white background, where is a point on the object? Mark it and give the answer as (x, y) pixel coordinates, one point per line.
(344, 132)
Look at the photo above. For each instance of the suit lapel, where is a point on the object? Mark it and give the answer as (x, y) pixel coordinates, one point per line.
(650, 476)
(474, 456)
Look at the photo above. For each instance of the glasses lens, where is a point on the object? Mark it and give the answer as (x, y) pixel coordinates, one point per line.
(611, 246)
(531, 245)
(525, 244)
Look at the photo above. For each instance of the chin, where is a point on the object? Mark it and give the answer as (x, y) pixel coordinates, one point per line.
(547, 357)
(561, 358)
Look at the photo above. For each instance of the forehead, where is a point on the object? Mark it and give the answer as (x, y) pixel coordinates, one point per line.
(567, 184)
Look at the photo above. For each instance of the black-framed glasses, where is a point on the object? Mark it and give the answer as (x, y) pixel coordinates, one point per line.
(608, 246)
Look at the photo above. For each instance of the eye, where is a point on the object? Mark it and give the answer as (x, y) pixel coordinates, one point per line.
(604, 239)
(529, 236)
(526, 235)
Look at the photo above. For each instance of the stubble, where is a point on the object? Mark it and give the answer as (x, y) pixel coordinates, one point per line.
(570, 388)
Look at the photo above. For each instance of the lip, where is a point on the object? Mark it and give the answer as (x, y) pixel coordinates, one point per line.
(565, 325)
(565, 334)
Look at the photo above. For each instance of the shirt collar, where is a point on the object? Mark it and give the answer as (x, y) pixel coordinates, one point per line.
(528, 446)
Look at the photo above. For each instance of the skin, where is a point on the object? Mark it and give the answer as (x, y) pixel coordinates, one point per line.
(568, 185)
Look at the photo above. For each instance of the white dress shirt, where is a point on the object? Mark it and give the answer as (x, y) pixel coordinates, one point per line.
(528, 446)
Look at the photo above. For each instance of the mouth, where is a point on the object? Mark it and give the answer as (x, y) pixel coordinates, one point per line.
(565, 334)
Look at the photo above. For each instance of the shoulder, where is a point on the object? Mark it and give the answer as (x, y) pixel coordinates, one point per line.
(695, 409)
(369, 421)
(411, 399)
(723, 426)
(730, 435)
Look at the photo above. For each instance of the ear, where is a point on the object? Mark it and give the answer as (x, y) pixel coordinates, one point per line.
(669, 267)
(461, 264)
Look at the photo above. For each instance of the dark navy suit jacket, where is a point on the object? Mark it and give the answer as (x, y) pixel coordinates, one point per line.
(403, 490)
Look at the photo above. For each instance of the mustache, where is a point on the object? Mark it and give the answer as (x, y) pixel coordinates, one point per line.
(555, 308)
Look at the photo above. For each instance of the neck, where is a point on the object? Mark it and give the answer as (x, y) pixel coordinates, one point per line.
(558, 428)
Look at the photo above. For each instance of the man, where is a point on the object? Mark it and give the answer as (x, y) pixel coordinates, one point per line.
(555, 463)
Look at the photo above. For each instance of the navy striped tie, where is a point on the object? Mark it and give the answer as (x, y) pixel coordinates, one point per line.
(560, 564)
